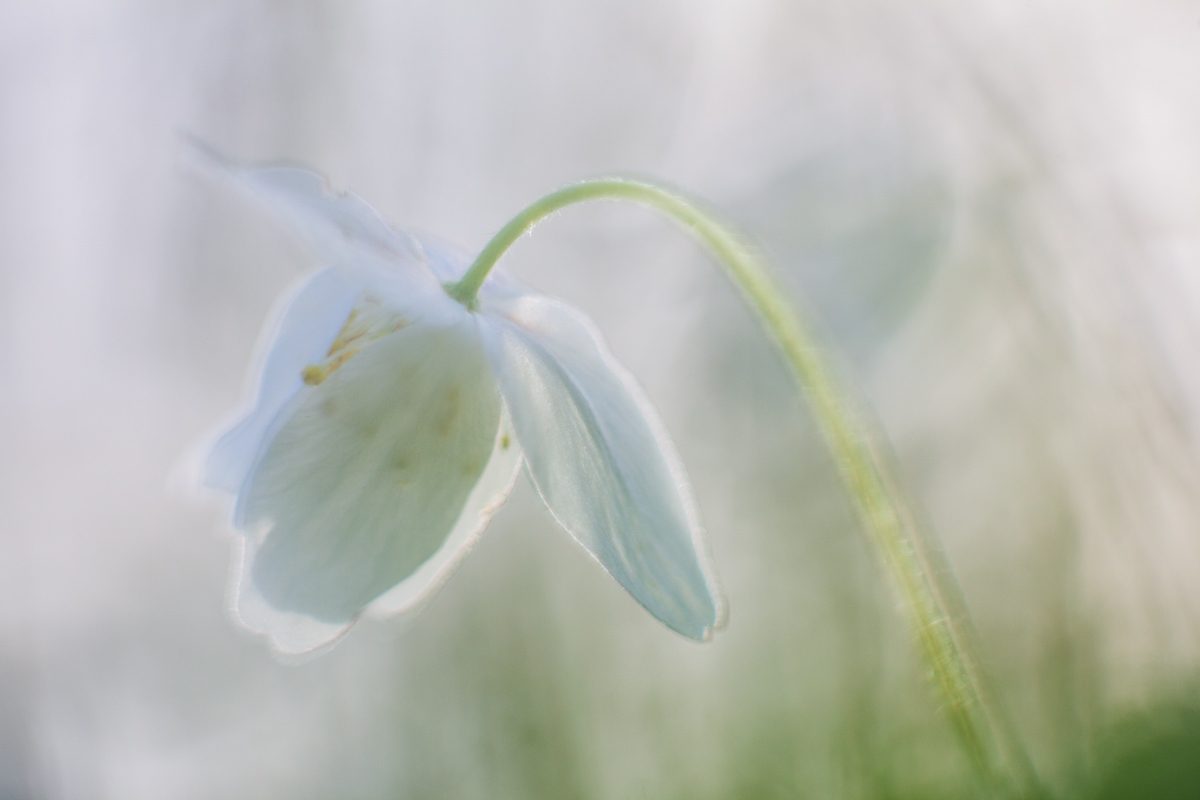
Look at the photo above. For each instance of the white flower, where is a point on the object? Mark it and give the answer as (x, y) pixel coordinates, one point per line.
(389, 425)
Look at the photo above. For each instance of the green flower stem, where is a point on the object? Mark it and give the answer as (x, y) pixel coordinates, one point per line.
(930, 595)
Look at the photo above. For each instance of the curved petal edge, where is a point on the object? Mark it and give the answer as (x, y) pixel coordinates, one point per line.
(602, 460)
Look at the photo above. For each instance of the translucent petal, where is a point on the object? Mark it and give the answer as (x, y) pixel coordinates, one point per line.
(601, 459)
(490, 492)
(365, 481)
(306, 325)
(334, 223)
(291, 633)
(342, 228)
(446, 260)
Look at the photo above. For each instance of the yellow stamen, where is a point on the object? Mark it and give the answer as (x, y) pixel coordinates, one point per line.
(368, 322)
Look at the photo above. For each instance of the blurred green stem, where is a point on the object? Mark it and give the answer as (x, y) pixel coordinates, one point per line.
(918, 567)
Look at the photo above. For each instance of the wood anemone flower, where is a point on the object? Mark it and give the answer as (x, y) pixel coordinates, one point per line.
(389, 422)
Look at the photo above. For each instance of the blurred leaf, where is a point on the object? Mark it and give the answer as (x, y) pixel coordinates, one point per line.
(861, 230)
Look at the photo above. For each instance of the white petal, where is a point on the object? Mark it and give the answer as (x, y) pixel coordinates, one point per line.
(446, 260)
(601, 458)
(490, 492)
(365, 481)
(306, 324)
(342, 228)
(291, 634)
(334, 223)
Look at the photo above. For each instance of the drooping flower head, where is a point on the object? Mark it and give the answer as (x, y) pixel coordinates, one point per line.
(390, 422)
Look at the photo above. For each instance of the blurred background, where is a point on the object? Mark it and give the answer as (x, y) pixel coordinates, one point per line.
(992, 210)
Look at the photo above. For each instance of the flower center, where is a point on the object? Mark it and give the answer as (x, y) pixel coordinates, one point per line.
(369, 321)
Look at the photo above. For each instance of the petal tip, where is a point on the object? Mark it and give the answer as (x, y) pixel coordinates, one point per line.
(708, 630)
(293, 638)
(721, 621)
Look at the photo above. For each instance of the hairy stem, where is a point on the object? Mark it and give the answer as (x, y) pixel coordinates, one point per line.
(930, 594)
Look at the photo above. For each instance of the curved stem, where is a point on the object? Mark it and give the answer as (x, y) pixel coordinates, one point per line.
(923, 578)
